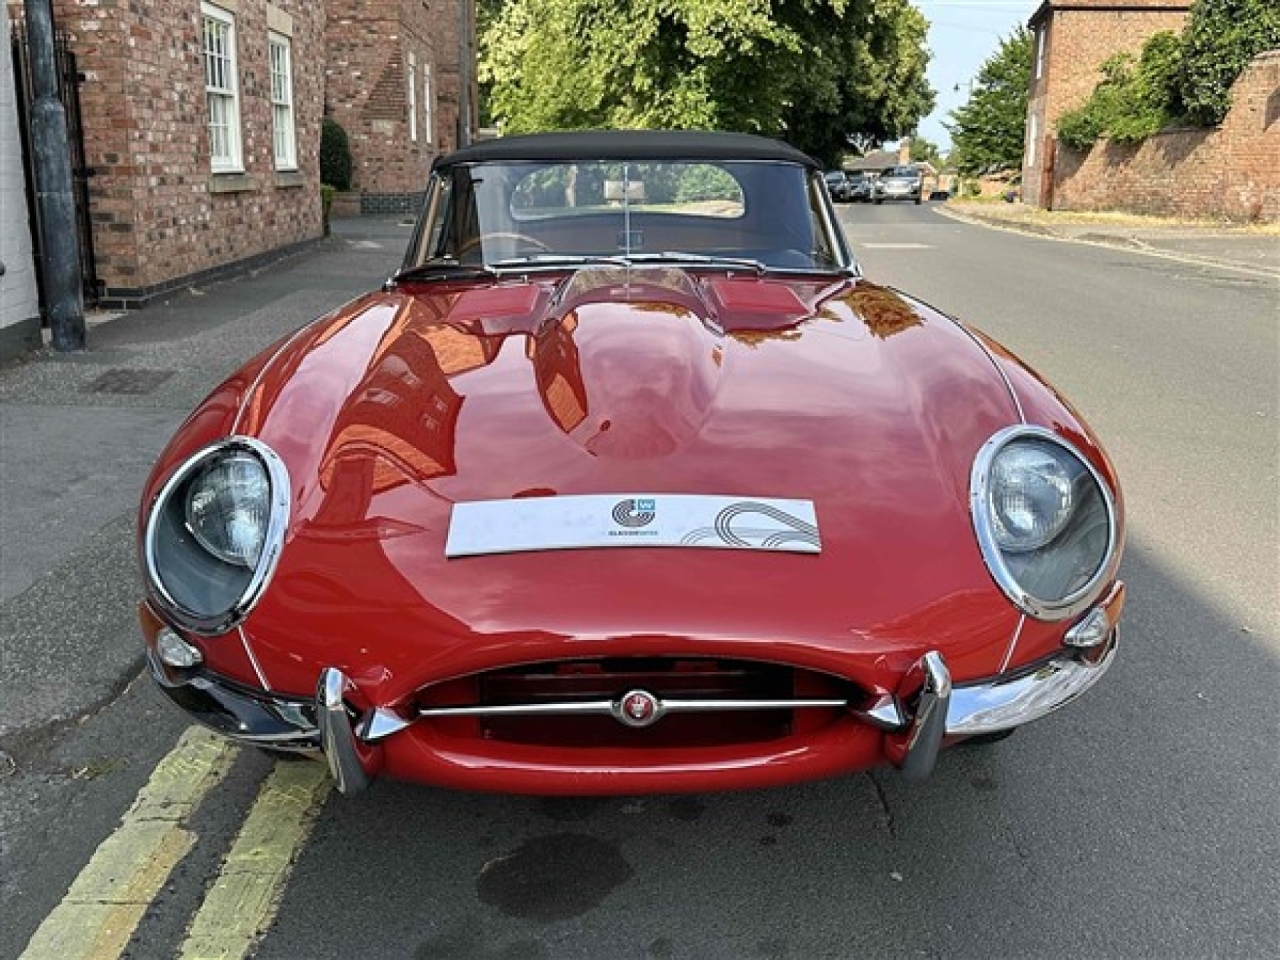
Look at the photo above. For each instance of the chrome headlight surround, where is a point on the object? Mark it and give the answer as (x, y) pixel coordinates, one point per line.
(198, 588)
(1004, 562)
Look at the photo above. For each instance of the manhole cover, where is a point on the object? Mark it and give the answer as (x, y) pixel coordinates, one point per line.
(130, 382)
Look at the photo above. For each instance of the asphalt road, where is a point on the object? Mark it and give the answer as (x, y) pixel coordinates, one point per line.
(1141, 822)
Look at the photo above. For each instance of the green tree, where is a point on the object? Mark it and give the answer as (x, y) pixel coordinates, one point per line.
(989, 132)
(335, 155)
(822, 74)
(1219, 40)
(926, 151)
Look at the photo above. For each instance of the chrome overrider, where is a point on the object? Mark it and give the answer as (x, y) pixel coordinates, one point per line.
(935, 710)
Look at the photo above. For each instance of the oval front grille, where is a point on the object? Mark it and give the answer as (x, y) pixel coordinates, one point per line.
(577, 703)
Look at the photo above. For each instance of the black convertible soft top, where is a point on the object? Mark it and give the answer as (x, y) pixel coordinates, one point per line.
(628, 145)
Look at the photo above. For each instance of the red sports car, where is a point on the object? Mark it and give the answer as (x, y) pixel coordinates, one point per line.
(629, 481)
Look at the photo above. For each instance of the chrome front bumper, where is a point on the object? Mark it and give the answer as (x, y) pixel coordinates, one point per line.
(916, 724)
(250, 716)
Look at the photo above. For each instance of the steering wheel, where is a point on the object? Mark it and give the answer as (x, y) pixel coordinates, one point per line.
(476, 243)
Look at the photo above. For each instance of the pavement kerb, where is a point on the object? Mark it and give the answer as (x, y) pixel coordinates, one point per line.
(1098, 235)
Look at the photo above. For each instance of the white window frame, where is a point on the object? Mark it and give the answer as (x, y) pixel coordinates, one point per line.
(428, 105)
(284, 138)
(412, 74)
(1041, 31)
(221, 89)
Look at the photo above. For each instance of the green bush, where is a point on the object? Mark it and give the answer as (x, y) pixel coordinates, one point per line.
(1177, 79)
(335, 155)
(1220, 38)
(1134, 100)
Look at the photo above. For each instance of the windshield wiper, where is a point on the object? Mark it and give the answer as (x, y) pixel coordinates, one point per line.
(442, 268)
(552, 260)
(702, 259)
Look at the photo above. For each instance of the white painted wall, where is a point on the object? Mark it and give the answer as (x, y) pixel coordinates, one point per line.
(18, 298)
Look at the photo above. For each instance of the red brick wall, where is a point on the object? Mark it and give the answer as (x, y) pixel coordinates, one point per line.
(1231, 172)
(158, 214)
(369, 43)
(1079, 36)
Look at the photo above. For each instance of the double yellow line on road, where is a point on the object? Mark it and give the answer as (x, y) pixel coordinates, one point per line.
(104, 906)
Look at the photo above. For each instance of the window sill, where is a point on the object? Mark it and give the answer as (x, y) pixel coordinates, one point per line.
(231, 183)
(290, 178)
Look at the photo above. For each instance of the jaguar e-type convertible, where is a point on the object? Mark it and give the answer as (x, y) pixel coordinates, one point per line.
(628, 481)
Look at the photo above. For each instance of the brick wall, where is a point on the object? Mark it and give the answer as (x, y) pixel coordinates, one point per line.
(370, 46)
(19, 308)
(161, 218)
(1078, 37)
(1231, 171)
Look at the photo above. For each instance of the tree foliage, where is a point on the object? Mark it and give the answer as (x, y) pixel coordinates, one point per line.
(822, 74)
(989, 131)
(926, 151)
(1219, 40)
(1134, 100)
(1176, 79)
(335, 155)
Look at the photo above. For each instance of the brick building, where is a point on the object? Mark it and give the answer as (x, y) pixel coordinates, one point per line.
(396, 79)
(1073, 38)
(201, 123)
(201, 127)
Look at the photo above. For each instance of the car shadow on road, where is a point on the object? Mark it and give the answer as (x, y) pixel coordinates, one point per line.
(1132, 807)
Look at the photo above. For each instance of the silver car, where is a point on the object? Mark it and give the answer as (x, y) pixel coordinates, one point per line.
(899, 183)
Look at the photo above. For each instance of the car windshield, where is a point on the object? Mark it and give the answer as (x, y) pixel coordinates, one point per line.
(902, 172)
(557, 214)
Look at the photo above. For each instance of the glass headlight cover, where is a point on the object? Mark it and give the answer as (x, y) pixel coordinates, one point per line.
(214, 533)
(228, 505)
(1045, 521)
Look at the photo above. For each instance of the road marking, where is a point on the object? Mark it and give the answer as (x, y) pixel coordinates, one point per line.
(102, 909)
(243, 900)
(898, 246)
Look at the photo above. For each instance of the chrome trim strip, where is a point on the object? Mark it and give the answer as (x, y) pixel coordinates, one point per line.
(253, 659)
(337, 737)
(1008, 384)
(272, 546)
(1003, 703)
(930, 722)
(832, 223)
(1013, 644)
(979, 480)
(247, 396)
(608, 707)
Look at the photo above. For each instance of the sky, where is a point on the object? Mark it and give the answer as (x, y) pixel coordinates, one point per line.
(963, 34)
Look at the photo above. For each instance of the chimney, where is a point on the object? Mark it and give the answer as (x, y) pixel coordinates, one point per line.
(904, 151)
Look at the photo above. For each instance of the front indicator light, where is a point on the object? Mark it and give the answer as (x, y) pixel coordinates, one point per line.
(176, 652)
(1100, 622)
(1089, 632)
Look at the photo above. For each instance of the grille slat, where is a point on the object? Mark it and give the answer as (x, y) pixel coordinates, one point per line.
(573, 703)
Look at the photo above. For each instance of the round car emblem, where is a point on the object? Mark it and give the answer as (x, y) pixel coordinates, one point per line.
(638, 708)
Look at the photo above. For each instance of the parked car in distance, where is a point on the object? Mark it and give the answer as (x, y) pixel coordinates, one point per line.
(629, 481)
(899, 183)
(838, 185)
(860, 186)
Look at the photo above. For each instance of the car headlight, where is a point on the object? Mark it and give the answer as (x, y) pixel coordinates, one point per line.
(228, 504)
(214, 533)
(1045, 521)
